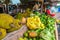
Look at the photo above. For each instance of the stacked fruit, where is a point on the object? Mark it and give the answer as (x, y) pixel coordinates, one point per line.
(34, 23)
(8, 24)
(51, 24)
(40, 27)
(24, 14)
(43, 18)
(31, 35)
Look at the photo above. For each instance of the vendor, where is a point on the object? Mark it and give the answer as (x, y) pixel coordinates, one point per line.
(36, 6)
(33, 5)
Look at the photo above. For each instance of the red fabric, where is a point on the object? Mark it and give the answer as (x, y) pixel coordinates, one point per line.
(52, 14)
(48, 11)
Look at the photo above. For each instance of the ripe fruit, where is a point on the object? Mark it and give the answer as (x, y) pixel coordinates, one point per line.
(26, 34)
(2, 33)
(23, 20)
(34, 23)
(21, 38)
(5, 21)
(15, 26)
(32, 34)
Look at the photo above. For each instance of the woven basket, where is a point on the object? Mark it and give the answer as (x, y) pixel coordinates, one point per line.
(19, 33)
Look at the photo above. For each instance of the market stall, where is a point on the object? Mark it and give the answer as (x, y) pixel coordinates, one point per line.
(29, 23)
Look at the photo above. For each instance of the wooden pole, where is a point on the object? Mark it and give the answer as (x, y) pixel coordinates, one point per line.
(56, 32)
(7, 2)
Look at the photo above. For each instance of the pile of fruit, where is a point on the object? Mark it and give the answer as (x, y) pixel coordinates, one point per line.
(34, 23)
(8, 24)
(40, 26)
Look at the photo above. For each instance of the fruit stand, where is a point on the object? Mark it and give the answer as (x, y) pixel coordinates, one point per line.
(35, 26)
(18, 34)
(28, 25)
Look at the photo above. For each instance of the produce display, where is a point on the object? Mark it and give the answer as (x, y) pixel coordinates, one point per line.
(8, 24)
(5, 21)
(40, 26)
(25, 14)
(34, 23)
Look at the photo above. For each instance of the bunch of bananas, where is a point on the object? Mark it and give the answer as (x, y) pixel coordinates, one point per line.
(2, 33)
(8, 24)
(16, 25)
(34, 23)
(24, 14)
(5, 20)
